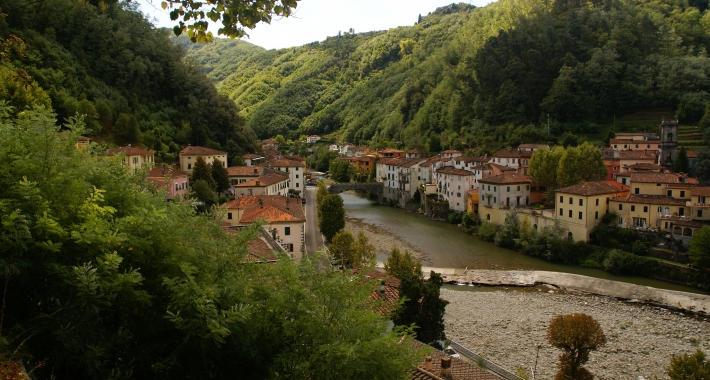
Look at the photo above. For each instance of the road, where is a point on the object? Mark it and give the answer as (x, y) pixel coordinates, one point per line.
(314, 239)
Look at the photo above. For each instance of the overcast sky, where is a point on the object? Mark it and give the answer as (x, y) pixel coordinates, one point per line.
(314, 20)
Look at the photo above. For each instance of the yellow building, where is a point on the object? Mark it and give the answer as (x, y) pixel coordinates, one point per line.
(699, 203)
(654, 183)
(190, 154)
(579, 208)
(134, 158)
(647, 211)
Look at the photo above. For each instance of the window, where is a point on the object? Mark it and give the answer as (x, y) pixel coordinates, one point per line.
(581, 201)
(518, 187)
(621, 207)
(682, 193)
(637, 190)
(580, 215)
(669, 193)
(562, 199)
(287, 231)
(633, 207)
(488, 216)
(645, 208)
(229, 216)
(597, 202)
(296, 176)
(639, 222)
(681, 211)
(596, 215)
(570, 213)
(561, 212)
(508, 189)
(189, 166)
(570, 200)
(700, 213)
(298, 184)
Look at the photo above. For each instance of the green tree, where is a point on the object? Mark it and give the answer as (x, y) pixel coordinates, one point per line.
(363, 252)
(507, 235)
(203, 192)
(577, 335)
(689, 367)
(332, 216)
(681, 164)
(340, 170)
(219, 175)
(543, 168)
(580, 163)
(201, 172)
(402, 264)
(126, 130)
(342, 249)
(700, 248)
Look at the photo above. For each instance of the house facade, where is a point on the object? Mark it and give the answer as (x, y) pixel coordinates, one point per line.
(579, 208)
(294, 169)
(170, 179)
(190, 154)
(133, 157)
(267, 184)
(453, 185)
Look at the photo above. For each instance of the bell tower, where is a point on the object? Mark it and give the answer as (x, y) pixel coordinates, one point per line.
(669, 142)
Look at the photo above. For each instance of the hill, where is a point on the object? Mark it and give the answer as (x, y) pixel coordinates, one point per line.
(483, 77)
(104, 60)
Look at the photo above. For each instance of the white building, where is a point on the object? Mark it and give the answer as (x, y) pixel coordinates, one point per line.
(507, 190)
(453, 184)
(296, 172)
(312, 139)
(190, 154)
(267, 184)
(283, 217)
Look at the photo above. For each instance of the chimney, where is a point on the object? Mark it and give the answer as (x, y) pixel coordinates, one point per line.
(446, 368)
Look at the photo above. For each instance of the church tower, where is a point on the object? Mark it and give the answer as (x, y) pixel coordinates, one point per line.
(669, 142)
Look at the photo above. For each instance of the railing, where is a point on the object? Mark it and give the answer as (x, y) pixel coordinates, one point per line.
(483, 362)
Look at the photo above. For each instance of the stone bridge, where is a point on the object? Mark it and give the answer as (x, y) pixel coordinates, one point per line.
(372, 188)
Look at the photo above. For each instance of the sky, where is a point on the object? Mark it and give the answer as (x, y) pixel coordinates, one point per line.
(314, 20)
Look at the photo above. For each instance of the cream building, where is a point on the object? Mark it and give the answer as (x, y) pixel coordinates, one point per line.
(134, 158)
(267, 184)
(190, 154)
(579, 208)
(296, 171)
(453, 185)
(283, 217)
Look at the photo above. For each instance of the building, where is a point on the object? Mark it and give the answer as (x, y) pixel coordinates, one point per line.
(267, 184)
(391, 153)
(83, 143)
(251, 159)
(651, 183)
(453, 185)
(512, 158)
(190, 154)
(450, 153)
(312, 139)
(133, 157)
(579, 208)
(619, 144)
(363, 165)
(532, 147)
(295, 169)
(241, 174)
(646, 211)
(669, 142)
(468, 163)
(631, 158)
(172, 180)
(283, 217)
(400, 177)
(503, 191)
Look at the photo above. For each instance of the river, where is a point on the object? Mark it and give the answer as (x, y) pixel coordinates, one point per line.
(445, 246)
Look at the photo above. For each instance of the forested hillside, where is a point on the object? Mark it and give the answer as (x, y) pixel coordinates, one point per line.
(104, 60)
(484, 77)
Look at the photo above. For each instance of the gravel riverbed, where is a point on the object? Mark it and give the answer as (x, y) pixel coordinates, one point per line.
(506, 326)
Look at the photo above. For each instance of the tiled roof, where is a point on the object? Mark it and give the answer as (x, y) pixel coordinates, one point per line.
(129, 151)
(506, 178)
(259, 251)
(468, 160)
(700, 190)
(267, 179)
(245, 171)
(166, 171)
(270, 208)
(390, 150)
(591, 188)
(453, 171)
(431, 368)
(286, 163)
(251, 156)
(644, 166)
(657, 178)
(191, 150)
(409, 162)
(387, 293)
(450, 151)
(631, 141)
(501, 167)
(507, 153)
(650, 199)
(638, 155)
(394, 161)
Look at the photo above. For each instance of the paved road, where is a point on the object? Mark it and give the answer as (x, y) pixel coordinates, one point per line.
(314, 239)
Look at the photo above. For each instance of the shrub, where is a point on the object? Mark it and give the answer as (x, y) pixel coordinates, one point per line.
(487, 231)
(455, 217)
(623, 263)
(689, 367)
(577, 335)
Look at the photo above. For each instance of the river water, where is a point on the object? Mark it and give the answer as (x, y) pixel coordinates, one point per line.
(445, 246)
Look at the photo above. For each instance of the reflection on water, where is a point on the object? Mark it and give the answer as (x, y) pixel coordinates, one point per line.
(445, 246)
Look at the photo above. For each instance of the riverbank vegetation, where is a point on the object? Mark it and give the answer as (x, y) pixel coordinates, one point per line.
(101, 278)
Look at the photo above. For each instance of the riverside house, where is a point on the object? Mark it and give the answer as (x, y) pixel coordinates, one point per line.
(579, 208)
(190, 154)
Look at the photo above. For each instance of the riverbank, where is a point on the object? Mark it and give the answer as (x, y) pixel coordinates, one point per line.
(506, 326)
(382, 240)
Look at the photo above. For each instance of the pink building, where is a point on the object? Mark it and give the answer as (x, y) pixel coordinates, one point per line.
(171, 179)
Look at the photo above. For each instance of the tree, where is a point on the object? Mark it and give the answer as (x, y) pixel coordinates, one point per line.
(434, 143)
(203, 192)
(201, 172)
(363, 252)
(421, 303)
(220, 176)
(544, 165)
(580, 163)
(340, 170)
(321, 194)
(126, 130)
(700, 248)
(701, 169)
(689, 367)
(341, 248)
(332, 216)
(681, 164)
(577, 335)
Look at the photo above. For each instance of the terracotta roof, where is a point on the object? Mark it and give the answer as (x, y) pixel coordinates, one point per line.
(507, 153)
(166, 171)
(650, 199)
(506, 178)
(270, 208)
(638, 155)
(285, 163)
(502, 168)
(700, 190)
(430, 368)
(453, 171)
(267, 179)
(390, 150)
(129, 151)
(245, 171)
(450, 151)
(409, 162)
(657, 178)
(684, 222)
(390, 161)
(644, 166)
(259, 251)
(467, 160)
(387, 292)
(191, 150)
(591, 188)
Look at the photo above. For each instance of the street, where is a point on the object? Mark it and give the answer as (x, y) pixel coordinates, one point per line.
(314, 239)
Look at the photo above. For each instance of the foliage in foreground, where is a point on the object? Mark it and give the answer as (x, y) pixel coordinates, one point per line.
(689, 367)
(103, 279)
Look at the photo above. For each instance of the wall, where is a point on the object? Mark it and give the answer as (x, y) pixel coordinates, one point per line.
(187, 163)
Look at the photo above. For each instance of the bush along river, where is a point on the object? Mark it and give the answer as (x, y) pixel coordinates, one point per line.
(442, 245)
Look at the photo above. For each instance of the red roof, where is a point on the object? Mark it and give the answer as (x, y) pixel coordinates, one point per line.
(431, 368)
(453, 171)
(259, 251)
(200, 151)
(285, 163)
(165, 171)
(263, 181)
(506, 178)
(650, 199)
(658, 178)
(129, 151)
(638, 155)
(591, 188)
(270, 208)
(701, 190)
(245, 171)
